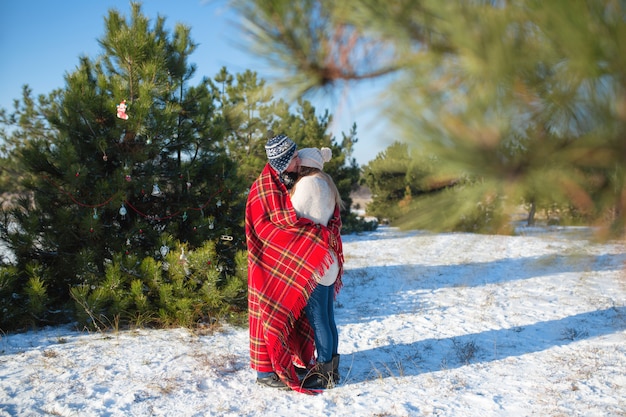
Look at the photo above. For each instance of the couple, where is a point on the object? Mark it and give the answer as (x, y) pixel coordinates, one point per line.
(295, 263)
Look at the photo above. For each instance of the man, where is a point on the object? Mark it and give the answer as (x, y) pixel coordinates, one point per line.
(284, 255)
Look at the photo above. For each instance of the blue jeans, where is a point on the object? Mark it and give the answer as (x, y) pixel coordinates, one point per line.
(320, 311)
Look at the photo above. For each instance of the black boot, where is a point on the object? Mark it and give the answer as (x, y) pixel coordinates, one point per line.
(320, 376)
(336, 368)
(272, 381)
(301, 372)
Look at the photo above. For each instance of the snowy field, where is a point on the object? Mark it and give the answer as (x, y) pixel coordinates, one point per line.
(429, 325)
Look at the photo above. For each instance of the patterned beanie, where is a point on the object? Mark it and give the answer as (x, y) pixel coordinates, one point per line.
(314, 158)
(280, 150)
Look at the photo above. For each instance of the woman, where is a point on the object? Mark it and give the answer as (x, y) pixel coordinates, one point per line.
(315, 197)
(279, 283)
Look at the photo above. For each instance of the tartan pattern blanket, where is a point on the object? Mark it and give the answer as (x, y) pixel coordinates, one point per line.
(284, 256)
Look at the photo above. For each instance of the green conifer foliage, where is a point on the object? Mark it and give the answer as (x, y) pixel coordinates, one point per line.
(518, 101)
(110, 194)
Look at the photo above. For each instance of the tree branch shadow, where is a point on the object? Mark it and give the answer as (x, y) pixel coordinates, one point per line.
(431, 355)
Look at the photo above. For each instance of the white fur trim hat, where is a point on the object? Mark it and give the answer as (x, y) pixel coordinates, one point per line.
(314, 157)
(280, 150)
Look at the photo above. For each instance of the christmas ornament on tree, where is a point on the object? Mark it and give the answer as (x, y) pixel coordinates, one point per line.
(121, 110)
(183, 261)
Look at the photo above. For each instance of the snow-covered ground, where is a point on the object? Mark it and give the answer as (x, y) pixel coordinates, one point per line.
(430, 325)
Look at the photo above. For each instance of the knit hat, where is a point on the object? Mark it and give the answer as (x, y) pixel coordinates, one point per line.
(280, 150)
(314, 157)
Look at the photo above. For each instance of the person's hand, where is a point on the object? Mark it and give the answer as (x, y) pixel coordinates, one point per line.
(329, 237)
(332, 241)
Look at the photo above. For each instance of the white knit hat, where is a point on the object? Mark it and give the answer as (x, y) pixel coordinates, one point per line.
(314, 157)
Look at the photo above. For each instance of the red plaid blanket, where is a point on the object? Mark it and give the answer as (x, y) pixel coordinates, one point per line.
(284, 255)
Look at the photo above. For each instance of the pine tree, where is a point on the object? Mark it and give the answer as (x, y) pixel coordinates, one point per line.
(246, 108)
(386, 177)
(127, 164)
(249, 111)
(523, 100)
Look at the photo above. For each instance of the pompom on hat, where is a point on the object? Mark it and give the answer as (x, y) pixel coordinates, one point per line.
(314, 157)
(280, 150)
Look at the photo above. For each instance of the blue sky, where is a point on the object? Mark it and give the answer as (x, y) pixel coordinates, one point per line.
(42, 40)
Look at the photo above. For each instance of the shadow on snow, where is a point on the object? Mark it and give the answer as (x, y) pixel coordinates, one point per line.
(431, 355)
(378, 291)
